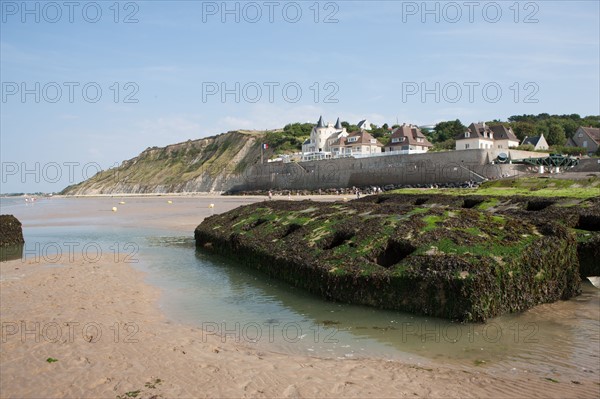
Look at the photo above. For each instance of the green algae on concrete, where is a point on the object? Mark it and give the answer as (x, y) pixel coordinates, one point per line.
(440, 260)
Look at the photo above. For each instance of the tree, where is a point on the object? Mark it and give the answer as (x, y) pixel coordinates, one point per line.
(541, 128)
(349, 128)
(449, 144)
(570, 126)
(298, 129)
(447, 130)
(556, 135)
(523, 129)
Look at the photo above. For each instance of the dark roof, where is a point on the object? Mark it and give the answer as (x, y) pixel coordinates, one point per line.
(320, 122)
(503, 133)
(571, 142)
(481, 130)
(476, 130)
(593, 132)
(411, 133)
(361, 124)
(338, 124)
(531, 140)
(363, 138)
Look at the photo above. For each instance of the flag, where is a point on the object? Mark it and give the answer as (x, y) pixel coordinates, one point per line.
(265, 146)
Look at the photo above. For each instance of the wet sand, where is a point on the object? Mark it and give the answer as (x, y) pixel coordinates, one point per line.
(102, 324)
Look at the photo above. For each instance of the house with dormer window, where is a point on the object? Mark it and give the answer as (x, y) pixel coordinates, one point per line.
(408, 139)
(360, 143)
(481, 136)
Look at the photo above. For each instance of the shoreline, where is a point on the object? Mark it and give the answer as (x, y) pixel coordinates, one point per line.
(187, 361)
(114, 339)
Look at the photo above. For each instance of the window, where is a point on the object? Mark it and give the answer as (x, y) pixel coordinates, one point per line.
(467, 146)
(419, 140)
(580, 134)
(467, 135)
(352, 139)
(373, 141)
(395, 140)
(585, 143)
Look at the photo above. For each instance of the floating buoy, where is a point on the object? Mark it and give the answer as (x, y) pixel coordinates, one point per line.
(122, 202)
(169, 202)
(211, 205)
(114, 208)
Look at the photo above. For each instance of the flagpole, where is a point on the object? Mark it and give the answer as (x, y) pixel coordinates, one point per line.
(262, 147)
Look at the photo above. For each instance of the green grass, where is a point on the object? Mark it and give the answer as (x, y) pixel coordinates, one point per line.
(529, 187)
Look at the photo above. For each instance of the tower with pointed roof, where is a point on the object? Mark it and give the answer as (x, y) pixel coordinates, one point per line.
(317, 146)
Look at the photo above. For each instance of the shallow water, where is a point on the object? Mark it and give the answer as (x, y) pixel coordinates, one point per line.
(242, 305)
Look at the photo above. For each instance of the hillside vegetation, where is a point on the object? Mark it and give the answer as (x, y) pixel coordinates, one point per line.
(195, 165)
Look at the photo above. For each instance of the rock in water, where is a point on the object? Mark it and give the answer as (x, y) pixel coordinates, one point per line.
(11, 232)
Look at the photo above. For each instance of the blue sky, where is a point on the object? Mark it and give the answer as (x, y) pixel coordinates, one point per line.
(361, 59)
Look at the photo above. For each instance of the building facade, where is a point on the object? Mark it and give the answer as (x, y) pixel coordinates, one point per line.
(408, 139)
(538, 142)
(317, 146)
(359, 143)
(481, 136)
(586, 137)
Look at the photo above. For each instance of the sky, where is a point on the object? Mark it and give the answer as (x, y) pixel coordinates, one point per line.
(86, 85)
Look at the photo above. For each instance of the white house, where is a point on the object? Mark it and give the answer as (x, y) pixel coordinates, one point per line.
(408, 139)
(364, 125)
(481, 136)
(504, 137)
(359, 143)
(538, 142)
(317, 146)
(478, 135)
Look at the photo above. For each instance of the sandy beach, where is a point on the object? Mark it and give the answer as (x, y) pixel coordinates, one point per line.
(82, 329)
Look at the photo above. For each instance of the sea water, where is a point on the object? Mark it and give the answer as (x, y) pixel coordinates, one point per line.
(244, 306)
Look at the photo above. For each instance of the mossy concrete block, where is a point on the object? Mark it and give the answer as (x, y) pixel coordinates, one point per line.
(437, 258)
(11, 232)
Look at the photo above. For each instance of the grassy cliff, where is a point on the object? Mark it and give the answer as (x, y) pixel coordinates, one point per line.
(195, 165)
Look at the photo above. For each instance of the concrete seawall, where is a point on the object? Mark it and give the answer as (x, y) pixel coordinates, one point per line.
(429, 168)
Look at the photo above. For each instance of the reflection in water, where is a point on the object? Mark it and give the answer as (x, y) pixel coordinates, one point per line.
(244, 305)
